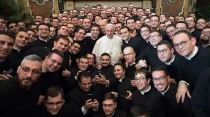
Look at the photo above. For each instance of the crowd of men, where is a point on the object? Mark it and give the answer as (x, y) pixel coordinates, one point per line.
(105, 62)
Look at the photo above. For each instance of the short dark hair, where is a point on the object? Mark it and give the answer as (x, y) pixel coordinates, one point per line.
(155, 16)
(189, 35)
(57, 38)
(53, 92)
(109, 96)
(183, 22)
(8, 34)
(119, 65)
(43, 24)
(10, 22)
(160, 68)
(140, 110)
(143, 71)
(78, 29)
(83, 74)
(156, 31)
(125, 27)
(171, 25)
(55, 51)
(146, 26)
(105, 54)
(165, 42)
(130, 18)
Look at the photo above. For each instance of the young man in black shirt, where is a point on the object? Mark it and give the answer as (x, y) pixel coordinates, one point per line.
(6, 64)
(161, 80)
(147, 95)
(109, 105)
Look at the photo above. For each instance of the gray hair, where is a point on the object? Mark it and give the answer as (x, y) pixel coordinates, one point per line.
(32, 57)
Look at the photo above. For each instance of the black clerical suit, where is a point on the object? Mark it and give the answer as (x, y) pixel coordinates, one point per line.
(78, 97)
(66, 111)
(121, 87)
(151, 57)
(91, 43)
(84, 47)
(136, 43)
(201, 95)
(40, 43)
(130, 69)
(152, 99)
(16, 101)
(7, 65)
(190, 70)
(117, 113)
(174, 109)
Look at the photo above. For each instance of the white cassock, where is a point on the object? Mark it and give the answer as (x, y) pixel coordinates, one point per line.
(110, 46)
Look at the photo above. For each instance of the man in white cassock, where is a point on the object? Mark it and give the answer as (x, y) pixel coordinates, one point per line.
(110, 44)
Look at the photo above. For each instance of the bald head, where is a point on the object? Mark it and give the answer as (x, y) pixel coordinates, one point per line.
(102, 25)
(129, 55)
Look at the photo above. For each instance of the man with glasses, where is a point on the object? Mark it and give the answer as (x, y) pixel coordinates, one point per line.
(147, 95)
(19, 94)
(205, 37)
(54, 104)
(165, 53)
(109, 106)
(161, 80)
(201, 24)
(49, 77)
(149, 56)
(43, 31)
(145, 31)
(191, 62)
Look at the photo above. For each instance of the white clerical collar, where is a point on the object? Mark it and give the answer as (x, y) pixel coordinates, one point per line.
(120, 80)
(171, 61)
(43, 39)
(132, 63)
(2, 60)
(195, 50)
(111, 114)
(154, 46)
(163, 93)
(143, 92)
(17, 49)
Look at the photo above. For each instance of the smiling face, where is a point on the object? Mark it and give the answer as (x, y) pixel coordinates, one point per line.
(185, 45)
(164, 53)
(160, 80)
(155, 38)
(143, 83)
(21, 39)
(119, 72)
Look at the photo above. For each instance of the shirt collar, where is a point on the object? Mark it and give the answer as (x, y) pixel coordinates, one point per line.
(111, 114)
(195, 50)
(18, 50)
(43, 39)
(143, 92)
(120, 80)
(2, 60)
(163, 93)
(132, 63)
(171, 61)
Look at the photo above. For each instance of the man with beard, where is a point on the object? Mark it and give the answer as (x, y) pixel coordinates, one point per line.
(19, 94)
(109, 106)
(201, 24)
(205, 37)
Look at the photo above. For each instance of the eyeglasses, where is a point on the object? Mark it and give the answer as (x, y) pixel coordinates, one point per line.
(139, 79)
(158, 79)
(188, 21)
(43, 29)
(170, 31)
(200, 22)
(107, 105)
(205, 32)
(182, 43)
(58, 104)
(153, 36)
(143, 31)
(127, 54)
(26, 70)
(54, 61)
(162, 51)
